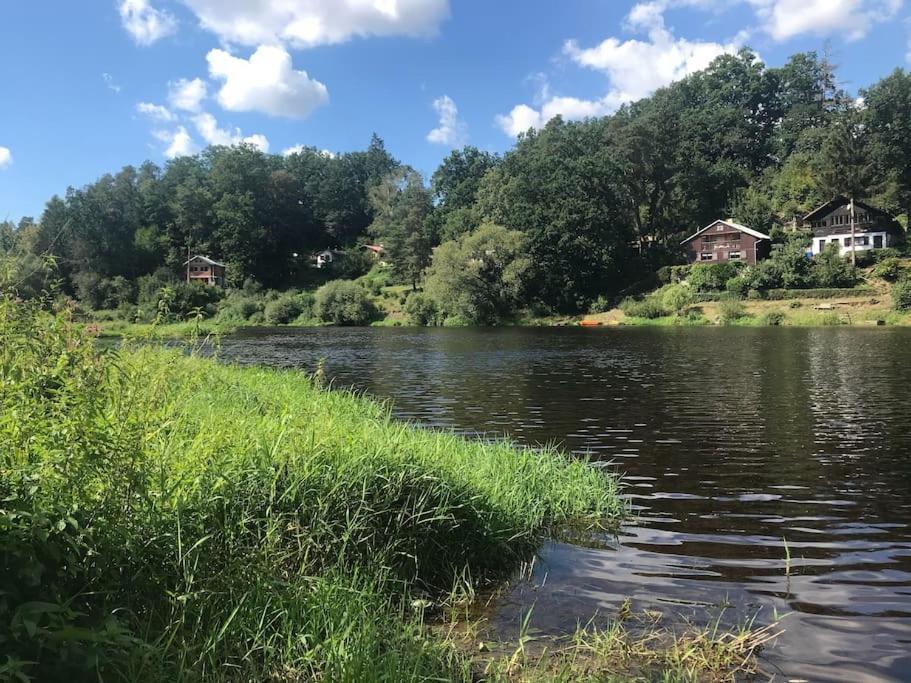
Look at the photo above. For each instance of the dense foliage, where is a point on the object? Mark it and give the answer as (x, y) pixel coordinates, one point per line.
(601, 205)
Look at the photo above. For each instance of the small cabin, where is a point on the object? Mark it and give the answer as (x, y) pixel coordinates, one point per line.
(831, 224)
(205, 270)
(725, 240)
(325, 258)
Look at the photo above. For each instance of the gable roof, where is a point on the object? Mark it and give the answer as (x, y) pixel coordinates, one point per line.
(731, 224)
(837, 202)
(204, 259)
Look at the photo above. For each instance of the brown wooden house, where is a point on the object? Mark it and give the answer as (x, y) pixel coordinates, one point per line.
(724, 241)
(205, 270)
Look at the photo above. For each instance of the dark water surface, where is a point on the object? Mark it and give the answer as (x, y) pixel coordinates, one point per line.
(732, 440)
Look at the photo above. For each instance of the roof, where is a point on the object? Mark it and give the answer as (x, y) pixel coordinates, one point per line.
(374, 247)
(205, 259)
(837, 202)
(731, 224)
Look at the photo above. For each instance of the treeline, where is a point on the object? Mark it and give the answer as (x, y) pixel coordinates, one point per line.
(573, 212)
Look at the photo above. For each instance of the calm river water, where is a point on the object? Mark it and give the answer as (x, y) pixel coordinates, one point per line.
(732, 441)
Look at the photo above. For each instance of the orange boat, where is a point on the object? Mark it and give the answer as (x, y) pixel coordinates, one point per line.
(590, 323)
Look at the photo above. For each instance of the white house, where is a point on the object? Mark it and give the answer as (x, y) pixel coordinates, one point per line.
(831, 224)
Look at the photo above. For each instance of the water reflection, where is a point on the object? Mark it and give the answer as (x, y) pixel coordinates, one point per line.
(735, 442)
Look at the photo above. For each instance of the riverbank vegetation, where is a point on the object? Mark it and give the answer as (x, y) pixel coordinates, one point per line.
(582, 214)
(165, 517)
(168, 517)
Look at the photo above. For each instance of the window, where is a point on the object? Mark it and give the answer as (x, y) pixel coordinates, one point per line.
(847, 241)
(708, 238)
(734, 255)
(822, 245)
(834, 240)
(863, 241)
(877, 241)
(705, 256)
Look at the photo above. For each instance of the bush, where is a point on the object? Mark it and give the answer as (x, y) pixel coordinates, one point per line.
(889, 269)
(421, 310)
(730, 311)
(831, 319)
(901, 295)
(672, 275)
(712, 277)
(677, 297)
(830, 269)
(794, 304)
(880, 255)
(288, 307)
(600, 305)
(342, 302)
(648, 308)
(773, 318)
(833, 293)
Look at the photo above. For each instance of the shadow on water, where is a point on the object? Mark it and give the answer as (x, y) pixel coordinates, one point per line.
(740, 447)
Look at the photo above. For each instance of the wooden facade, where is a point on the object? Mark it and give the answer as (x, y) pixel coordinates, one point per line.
(724, 241)
(831, 224)
(205, 270)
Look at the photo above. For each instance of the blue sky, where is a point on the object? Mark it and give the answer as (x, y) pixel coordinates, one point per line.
(91, 86)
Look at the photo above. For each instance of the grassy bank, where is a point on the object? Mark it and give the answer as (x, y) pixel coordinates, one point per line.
(168, 518)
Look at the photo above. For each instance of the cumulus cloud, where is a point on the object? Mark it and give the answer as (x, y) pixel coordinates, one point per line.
(634, 68)
(267, 82)
(155, 112)
(6, 158)
(305, 23)
(179, 142)
(853, 19)
(451, 130)
(207, 127)
(187, 94)
(145, 23)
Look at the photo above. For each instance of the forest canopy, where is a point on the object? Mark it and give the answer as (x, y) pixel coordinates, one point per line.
(587, 208)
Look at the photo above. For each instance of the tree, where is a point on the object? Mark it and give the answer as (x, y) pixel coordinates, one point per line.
(402, 207)
(562, 187)
(888, 106)
(455, 187)
(480, 277)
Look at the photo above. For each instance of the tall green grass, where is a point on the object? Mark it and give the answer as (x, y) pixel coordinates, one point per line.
(165, 517)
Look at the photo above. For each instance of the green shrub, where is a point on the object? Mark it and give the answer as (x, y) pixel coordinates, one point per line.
(730, 311)
(600, 305)
(342, 302)
(648, 307)
(672, 275)
(901, 295)
(830, 269)
(282, 311)
(889, 269)
(880, 255)
(676, 297)
(773, 318)
(833, 293)
(712, 277)
(794, 304)
(421, 310)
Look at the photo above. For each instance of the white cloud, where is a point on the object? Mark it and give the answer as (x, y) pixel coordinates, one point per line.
(297, 149)
(187, 94)
(179, 142)
(6, 158)
(634, 68)
(155, 112)
(145, 23)
(208, 129)
(452, 130)
(267, 82)
(852, 19)
(305, 23)
(109, 82)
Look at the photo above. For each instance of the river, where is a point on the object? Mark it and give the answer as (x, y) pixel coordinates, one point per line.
(739, 447)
